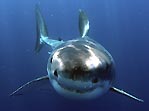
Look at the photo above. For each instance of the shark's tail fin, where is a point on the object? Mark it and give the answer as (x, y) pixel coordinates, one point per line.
(41, 29)
(83, 24)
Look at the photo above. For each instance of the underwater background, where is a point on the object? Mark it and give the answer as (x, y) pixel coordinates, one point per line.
(121, 26)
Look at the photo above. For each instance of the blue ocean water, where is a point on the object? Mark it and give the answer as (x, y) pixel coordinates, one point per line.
(121, 26)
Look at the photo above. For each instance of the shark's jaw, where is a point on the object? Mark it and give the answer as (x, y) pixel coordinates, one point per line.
(70, 91)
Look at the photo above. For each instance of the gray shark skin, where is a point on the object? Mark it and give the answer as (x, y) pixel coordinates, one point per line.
(80, 68)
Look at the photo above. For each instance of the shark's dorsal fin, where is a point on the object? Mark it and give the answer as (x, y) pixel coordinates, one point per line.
(42, 33)
(83, 24)
(114, 89)
(41, 29)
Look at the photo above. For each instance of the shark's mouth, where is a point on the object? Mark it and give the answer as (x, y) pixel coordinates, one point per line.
(76, 90)
(79, 89)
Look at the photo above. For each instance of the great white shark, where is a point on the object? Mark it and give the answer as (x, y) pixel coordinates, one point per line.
(79, 68)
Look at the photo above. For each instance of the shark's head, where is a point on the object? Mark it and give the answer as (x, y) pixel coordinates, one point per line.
(81, 69)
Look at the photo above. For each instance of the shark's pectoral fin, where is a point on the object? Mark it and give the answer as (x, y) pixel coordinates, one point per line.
(32, 85)
(125, 94)
(83, 24)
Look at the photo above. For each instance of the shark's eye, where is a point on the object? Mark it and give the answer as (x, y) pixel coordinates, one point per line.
(55, 73)
(51, 60)
(95, 80)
